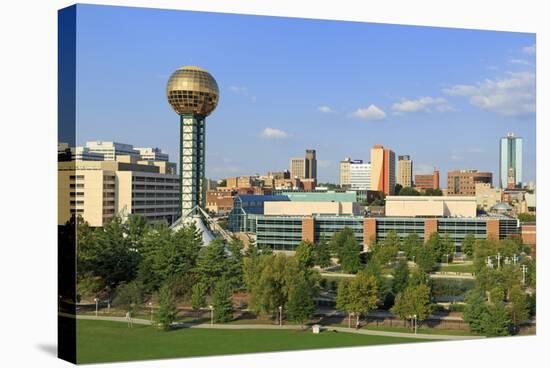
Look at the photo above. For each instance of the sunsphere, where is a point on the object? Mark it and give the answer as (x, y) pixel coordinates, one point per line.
(192, 91)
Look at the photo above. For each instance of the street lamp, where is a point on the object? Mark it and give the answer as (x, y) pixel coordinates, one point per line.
(280, 315)
(415, 324)
(211, 315)
(96, 300)
(151, 306)
(523, 270)
(446, 255)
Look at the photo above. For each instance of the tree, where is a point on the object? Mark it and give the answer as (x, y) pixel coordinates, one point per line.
(418, 277)
(167, 254)
(167, 307)
(270, 279)
(343, 298)
(448, 247)
(128, 296)
(321, 253)
(408, 191)
(474, 310)
(383, 284)
(198, 296)
(425, 258)
(526, 217)
(468, 245)
(338, 241)
(304, 254)
(362, 294)
(386, 251)
(414, 301)
(108, 254)
(136, 227)
(433, 192)
(398, 188)
(349, 260)
(400, 277)
(410, 244)
(300, 305)
(211, 264)
(234, 263)
(496, 320)
(518, 307)
(436, 245)
(221, 302)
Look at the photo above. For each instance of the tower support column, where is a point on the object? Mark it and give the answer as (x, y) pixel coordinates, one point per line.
(192, 159)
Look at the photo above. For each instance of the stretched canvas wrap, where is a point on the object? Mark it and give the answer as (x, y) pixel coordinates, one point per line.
(234, 184)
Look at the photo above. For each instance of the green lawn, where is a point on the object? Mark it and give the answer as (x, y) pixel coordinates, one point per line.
(466, 268)
(103, 341)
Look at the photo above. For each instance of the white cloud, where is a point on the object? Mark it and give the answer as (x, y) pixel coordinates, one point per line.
(238, 89)
(519, 61)
(372, 112)
(425, 104)
(323, 163)
(325, 109)
(272, 133)
(510, 96)
(530, 50)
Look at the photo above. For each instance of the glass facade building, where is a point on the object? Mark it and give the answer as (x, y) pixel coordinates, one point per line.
(511, 148)
(245, 205)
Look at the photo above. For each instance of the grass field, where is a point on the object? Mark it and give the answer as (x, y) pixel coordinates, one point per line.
(466, 268)
(102, 341)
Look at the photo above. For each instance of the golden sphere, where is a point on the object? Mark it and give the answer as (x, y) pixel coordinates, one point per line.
(192, 90)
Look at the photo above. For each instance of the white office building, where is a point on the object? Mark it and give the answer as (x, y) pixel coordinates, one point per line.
(152, 154)
(359, 174)
(111, 150)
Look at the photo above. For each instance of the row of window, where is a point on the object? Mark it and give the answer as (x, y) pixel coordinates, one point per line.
(155, 187)
(155, 179)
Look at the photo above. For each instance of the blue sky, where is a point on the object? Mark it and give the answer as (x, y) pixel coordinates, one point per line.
(442, 96)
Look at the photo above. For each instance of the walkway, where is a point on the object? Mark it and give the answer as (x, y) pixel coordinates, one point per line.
(289, 327)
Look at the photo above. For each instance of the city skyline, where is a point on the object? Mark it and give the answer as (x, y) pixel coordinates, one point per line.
(459, 90)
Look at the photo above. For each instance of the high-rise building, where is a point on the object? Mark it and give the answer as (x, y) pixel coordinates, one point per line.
(382, 169)
(193, 94)
(404, 171)
(97, 190)
(360, 175)
(311, 165)
(427, 181)
(510, 172)
(152, 154)
(344, 173)
(463, 182)
(298, 167)
(111, 150)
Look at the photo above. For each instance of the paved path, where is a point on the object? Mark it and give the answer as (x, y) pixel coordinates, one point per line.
(139, 321)
(437, 275)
